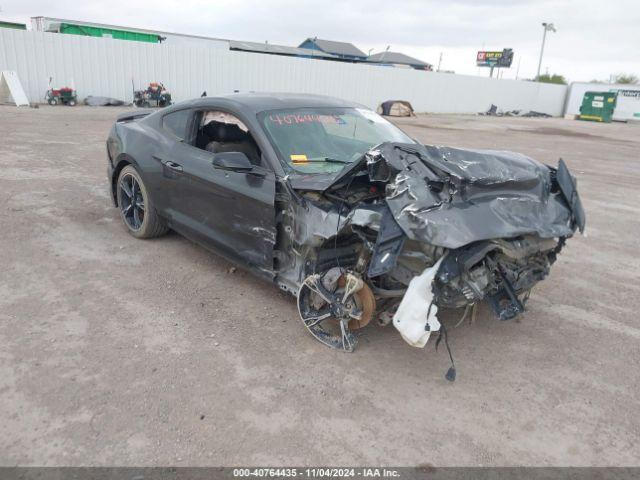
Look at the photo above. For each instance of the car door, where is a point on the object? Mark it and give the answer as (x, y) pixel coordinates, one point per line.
(229, 211)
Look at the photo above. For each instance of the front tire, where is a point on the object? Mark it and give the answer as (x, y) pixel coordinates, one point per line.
(137, 210)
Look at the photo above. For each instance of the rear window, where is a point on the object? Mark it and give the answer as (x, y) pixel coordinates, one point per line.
(176, 123)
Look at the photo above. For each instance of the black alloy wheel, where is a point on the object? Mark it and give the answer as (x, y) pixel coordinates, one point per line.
(132, 201)
(136, 206)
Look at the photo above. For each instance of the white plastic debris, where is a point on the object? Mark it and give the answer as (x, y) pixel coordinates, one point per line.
(414, 319)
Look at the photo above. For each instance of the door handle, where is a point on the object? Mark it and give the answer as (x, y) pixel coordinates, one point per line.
(176, 167)
(173, 166)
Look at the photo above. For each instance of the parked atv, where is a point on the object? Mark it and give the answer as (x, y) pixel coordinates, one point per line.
(65, 96)
(155, 95)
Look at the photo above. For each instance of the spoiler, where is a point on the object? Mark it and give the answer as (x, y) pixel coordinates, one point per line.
(134, 115)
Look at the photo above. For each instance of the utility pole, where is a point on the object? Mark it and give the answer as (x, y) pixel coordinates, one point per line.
(385, 53)
(548, 27)
(439, 62)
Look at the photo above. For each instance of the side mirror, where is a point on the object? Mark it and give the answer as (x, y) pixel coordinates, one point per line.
(235, 161)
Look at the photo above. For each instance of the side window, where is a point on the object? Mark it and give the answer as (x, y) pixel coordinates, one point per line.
(176, 123)
(223, 132)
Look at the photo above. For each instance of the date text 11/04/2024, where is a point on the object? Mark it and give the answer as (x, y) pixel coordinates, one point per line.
(316, 472)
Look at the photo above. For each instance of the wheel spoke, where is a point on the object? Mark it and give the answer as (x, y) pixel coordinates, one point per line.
(317, 317)
(126, 189)
(315, 287)
(348, 340)
(136, 219)
(132, 202)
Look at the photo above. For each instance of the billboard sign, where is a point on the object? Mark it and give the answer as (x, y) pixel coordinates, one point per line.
(495, 59)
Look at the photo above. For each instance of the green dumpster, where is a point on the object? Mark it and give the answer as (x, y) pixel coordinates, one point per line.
(598, 106)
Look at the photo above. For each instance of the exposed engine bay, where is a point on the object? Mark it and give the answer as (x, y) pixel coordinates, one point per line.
(410, 229)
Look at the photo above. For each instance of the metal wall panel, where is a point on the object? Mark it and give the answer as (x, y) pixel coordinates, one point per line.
(107, 67)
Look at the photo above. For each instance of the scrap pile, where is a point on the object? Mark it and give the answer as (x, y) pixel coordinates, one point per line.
(494, 112)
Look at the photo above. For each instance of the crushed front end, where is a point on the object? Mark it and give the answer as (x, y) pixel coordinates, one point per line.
(410, 229)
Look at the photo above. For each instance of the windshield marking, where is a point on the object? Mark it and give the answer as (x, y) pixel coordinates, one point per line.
(295, 119)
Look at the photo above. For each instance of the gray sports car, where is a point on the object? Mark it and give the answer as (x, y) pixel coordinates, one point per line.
(342, 209)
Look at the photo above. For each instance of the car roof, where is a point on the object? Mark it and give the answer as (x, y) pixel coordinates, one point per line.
(260, 102)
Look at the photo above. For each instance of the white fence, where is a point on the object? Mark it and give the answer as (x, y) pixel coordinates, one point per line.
(106, 67)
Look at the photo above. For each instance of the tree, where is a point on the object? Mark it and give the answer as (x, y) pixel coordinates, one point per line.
(555, 78)
(627, 78)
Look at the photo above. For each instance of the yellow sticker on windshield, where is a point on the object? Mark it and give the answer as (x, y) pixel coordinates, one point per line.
(299, 158)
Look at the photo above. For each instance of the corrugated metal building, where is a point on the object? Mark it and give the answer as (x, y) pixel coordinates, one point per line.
(311, 48)
(62, 25)
(342, 50)
(14, 25)
(273, 49)
(399, 59)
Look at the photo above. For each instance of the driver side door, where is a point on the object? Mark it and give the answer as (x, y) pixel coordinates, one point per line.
(231, 212)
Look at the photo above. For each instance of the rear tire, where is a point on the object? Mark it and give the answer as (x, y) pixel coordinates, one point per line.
(137, 210)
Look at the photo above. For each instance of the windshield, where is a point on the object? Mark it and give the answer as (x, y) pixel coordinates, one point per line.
(324, 140)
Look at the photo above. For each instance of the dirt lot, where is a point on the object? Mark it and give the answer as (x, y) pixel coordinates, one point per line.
(117, 351)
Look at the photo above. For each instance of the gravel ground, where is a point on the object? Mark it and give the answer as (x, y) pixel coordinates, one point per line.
(117, 351)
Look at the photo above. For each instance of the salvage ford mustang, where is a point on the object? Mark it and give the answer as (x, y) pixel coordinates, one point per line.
(342, 209)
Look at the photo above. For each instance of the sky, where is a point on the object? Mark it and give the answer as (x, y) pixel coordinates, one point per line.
(594, 39)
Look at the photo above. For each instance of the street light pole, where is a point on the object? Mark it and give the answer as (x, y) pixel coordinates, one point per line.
(547, 27)
(385, 53)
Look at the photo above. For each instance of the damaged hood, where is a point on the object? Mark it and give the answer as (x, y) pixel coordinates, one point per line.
(451, 197)
(483, 167)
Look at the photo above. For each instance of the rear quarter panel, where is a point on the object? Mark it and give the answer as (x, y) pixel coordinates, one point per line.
(141, 144)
